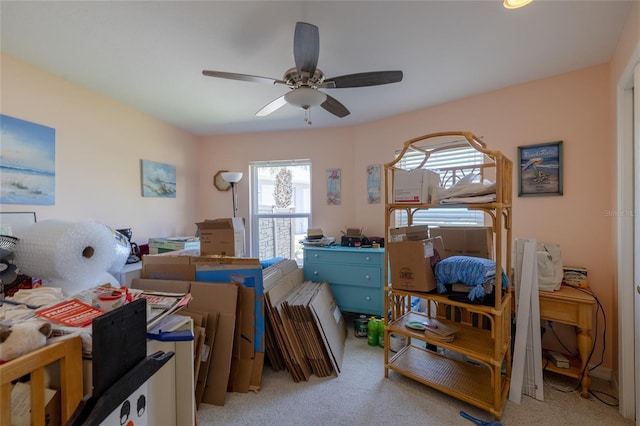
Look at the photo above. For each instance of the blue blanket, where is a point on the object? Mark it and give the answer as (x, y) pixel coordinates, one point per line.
(472, 271)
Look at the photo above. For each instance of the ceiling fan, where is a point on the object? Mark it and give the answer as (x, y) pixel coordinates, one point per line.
(305, 78)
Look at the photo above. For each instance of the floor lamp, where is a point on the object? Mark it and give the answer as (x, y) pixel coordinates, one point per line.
(233, 178)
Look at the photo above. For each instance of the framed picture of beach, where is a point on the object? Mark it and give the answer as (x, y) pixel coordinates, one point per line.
(158, 179)
(540, 169)
(28, 166)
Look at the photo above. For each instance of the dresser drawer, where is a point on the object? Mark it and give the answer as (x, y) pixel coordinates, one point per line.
(352, 275)
(358, 300)
(337, 256)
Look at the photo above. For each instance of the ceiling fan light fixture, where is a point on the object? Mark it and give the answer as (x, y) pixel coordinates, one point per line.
(515, 4)
(305, 97)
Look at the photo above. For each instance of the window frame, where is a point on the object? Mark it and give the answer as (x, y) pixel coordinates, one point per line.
(255, 216)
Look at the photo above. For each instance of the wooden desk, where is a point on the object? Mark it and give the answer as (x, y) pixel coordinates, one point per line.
(574, 307)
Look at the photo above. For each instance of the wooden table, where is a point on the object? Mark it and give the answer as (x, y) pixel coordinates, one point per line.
(574, 307)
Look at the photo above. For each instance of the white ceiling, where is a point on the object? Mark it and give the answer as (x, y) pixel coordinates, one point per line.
(150, 54)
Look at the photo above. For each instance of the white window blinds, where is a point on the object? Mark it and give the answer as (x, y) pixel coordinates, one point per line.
(438, 160)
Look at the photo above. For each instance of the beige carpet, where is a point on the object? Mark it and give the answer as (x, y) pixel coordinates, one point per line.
(361, 395)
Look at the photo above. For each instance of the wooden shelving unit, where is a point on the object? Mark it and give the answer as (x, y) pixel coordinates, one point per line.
(480, 372)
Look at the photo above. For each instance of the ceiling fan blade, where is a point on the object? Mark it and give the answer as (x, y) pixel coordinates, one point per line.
(335, 107)
(374, 78)
(306, 47)
(242, 77)
(272, 106)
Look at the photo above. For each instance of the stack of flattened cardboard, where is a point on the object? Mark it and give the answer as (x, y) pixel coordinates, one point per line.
(219, 300)
(305, 328)
(229, 290)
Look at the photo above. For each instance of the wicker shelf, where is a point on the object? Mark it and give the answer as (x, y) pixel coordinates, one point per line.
(483, 333)
(473, 342)
(465, 381)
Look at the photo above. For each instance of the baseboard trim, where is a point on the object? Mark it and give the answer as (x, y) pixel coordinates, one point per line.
(604, 374)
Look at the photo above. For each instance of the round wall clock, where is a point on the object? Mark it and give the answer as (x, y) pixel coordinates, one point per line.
(219, 183)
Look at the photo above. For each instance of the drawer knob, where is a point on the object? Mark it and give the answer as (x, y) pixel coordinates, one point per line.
(367, 258)
(316, 255)
(367, 277)
(315, 273)
(368, 298)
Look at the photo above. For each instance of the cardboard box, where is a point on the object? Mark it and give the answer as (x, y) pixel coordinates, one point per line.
(475, 241)
(308, 332)
(418, 186)
(217, 299)
(411, 263)
(168, 267)
(182, 265)
(245, 271)
(222, 236)
(202, 349)
(409, 233)
(165, 245)
(219, 269)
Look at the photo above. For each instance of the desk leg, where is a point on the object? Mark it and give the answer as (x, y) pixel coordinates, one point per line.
(584, 342)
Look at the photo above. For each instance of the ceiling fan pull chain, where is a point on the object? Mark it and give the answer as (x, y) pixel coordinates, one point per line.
(307, 116)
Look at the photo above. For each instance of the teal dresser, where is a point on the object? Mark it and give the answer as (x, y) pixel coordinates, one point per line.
(354, 274)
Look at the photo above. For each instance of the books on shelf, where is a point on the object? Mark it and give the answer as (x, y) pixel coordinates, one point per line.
(436, 330)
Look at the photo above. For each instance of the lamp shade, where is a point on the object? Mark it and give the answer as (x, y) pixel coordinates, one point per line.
(305, 97)
(232, 177)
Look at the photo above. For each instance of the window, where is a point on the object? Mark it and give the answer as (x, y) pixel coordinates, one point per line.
(438, 160)
(280, 208)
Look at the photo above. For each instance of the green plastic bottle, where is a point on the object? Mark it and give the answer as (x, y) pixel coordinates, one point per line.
(381, 333)
(372, 332)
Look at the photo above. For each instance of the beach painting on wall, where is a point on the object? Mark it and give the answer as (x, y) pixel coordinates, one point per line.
(27, 162)
(158, 179)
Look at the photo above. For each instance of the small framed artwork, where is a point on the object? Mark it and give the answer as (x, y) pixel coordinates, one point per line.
(373, 183)
(540, 169)
(158, 179)
(334, 197)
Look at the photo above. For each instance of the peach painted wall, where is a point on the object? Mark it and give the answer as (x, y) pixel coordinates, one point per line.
(327, 148)
(99, 145)
(573, 108)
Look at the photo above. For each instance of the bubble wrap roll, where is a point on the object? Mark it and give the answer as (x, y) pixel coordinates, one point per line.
(73, 288)
(123, 250)
(73, 252)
